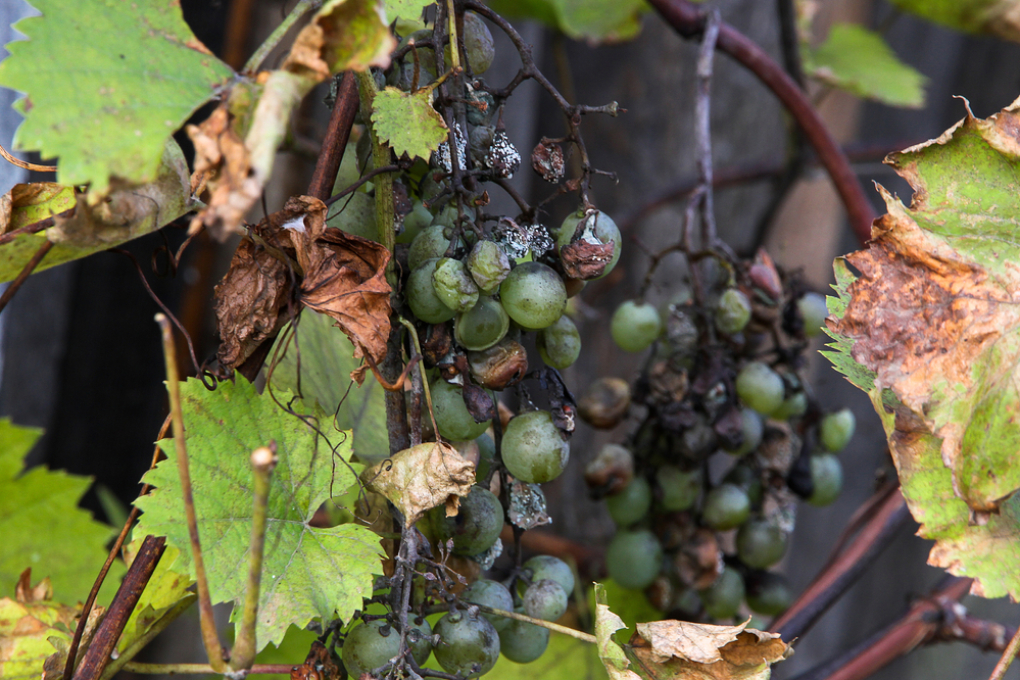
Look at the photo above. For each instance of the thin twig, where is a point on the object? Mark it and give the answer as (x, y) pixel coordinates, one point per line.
(555, 627)
(263, 460)
(210, 638)
(689, 21)
(203, 668)
(25, 272)
(300, 9)
(25, 165)
(999, 672)
(361, 180)
(35, 227)
(703, 126)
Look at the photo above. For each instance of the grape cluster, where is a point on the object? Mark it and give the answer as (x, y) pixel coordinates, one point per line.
(476, 285)
(727, 439)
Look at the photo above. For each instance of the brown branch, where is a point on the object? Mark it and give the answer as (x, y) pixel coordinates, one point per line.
(337, 134)
(924, 622)
(25, 272)
(35, 227)
(843, 570)
(1006, 660)
(689, 21)
(103, 642)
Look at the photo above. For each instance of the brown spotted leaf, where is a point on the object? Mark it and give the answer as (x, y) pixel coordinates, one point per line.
(421, 478)
(928, 323)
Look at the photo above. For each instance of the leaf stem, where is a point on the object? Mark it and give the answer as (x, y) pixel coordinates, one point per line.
(555, 627)
(210, 638)
(1007, 657)
(383, 185)
(454, 45)
(202, 668)
(270, 43)
(263, 460)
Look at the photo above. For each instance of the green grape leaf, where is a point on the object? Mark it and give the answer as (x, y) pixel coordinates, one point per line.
(859, 61)
(931, 313)
(997, 17)
(106, 85)
(405, 9)
(326, 357)
(127, 213)
(408, 122)
(308, 572)
(167, 588)
(43, 527)
(593, 20)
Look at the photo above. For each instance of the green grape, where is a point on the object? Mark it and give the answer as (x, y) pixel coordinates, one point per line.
(420, 639)
(482, 326)
(478, 46)
(488, 265)
(559, 345)
(368, 646)
(545, 567)
(454, 420)
(491, 594)
(726, 507)
(760, 543)
(545, 600)
(486, 455)
(533, 295)
(430, 243)
(753, 429)
(635, 326)
(468, 644)
(453, 285)
(632, 502)
(523, 642)
(733, 312)
(760, 388)
(421, 295)
(598, 228)
(769, 594)
(793, 406)
(723, 598)
(748, 479)
(826, 479)
(475, 527)
(634, 558)
(680, 490)
(414, 222)
(533, 448)
(813, 310)
(837, 430)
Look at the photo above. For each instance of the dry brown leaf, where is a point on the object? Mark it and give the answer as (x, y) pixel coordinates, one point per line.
(696, 651)
(343, 277)
(421, 478)
(223, 175)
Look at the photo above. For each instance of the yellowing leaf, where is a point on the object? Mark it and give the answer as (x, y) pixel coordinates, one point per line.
(857, 60)
(308, 572)
(343, 35)
(42, 527)
(165, 590)
(408, 122)
(422, 477)
(606, 625)
(998, 17)
(106, 85)
(592, 20)
(405, 9)
(931, 315)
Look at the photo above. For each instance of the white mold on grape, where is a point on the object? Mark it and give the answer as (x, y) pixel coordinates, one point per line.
(517, 239)
(502, 158)
(527, 506)
(441, 156)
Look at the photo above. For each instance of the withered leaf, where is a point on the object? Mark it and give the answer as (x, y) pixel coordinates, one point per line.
(696, 651)
(223, 175)
(421, 478)
(343, 35)
(927, 321)
(342, 276)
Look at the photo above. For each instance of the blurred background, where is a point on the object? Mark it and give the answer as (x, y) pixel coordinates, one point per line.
(80, 357)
